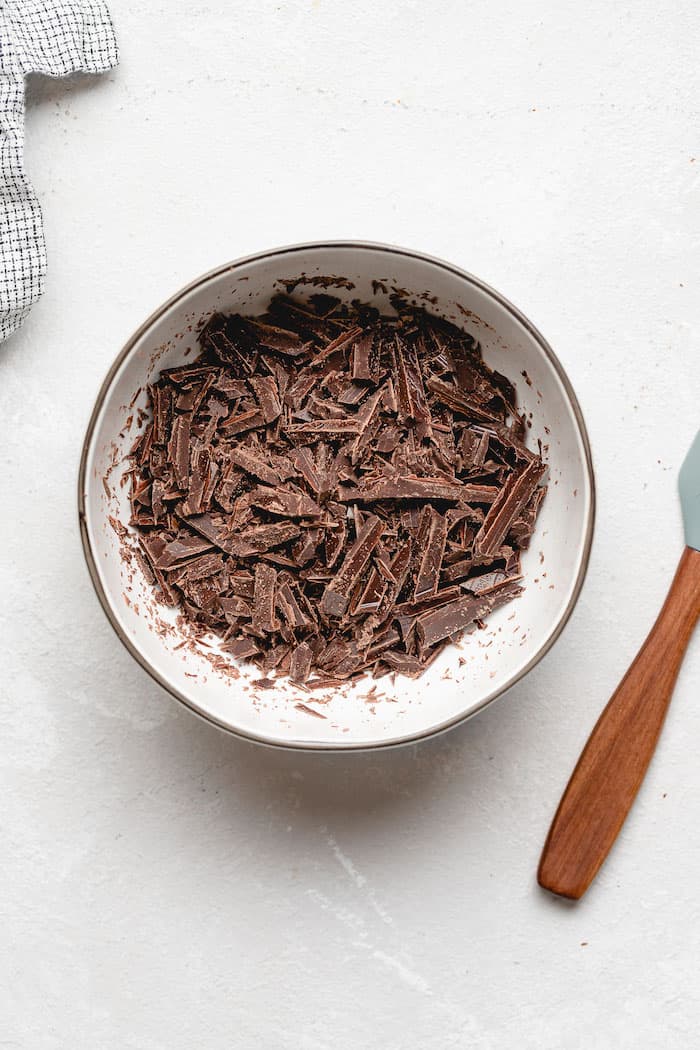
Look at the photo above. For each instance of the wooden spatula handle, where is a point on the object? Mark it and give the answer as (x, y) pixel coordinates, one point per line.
(613, 763)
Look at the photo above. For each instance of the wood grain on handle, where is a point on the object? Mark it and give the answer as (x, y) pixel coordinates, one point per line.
(613, 763)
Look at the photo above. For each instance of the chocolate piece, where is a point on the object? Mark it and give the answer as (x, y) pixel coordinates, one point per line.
(290, 609)
(267, 393)
(451, 619)
(341, 342)
(336, 597)
(255, 540)
(287, 504)
(458, 570)
(372, 595)
(353, 394)
(428, 575)
(179, 449)
(264, 599)
(360, 357)
(253, 463)
(241, 583)
(235, 609)
(243, 647)
(414, 488)
(279, 339)
(490, 581)
(239, 422)
(455, 399)
(514, 495)
(330, 428)
(335, 541)
(300, 666)
(185, 545)
(335, 492)
(231, 388)
(304, 462)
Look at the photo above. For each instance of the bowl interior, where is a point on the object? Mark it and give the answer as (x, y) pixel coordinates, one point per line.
(467, 675)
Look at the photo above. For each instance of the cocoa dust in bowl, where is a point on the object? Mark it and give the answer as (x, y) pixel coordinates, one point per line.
(334, 492)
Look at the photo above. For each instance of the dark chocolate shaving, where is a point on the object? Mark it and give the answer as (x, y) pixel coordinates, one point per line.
(334, 492)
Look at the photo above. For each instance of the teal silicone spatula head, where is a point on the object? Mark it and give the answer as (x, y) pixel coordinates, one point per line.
(689, 488)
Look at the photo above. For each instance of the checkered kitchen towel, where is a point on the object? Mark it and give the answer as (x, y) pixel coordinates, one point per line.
(53, 37)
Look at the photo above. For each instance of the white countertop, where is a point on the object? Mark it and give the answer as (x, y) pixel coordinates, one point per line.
(166, 887)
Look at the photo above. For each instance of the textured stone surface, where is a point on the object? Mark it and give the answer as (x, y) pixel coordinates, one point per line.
(165, 887)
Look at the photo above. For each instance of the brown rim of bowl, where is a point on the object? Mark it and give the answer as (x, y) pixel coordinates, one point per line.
(306, 745)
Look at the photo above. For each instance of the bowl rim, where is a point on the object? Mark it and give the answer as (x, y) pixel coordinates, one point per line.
(310, 745)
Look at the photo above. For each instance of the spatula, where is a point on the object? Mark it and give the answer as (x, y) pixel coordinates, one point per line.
(612, 765)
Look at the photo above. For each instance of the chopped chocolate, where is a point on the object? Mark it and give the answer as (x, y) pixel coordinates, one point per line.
(428, 575)
(511, 500)
(454, 398)
(337, 596)
(251, 461)
(235, 609)
(185, 545)
(451, 619)
(238, 423)
(302, 659)
(287, 504)
(330, 428)
(360, 357)
(267, 393)
(243, 648)
(179, 449)
(264, 599)
(334, 492)
(417, 488)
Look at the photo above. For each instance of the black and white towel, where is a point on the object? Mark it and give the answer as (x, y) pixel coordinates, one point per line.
(56, 38)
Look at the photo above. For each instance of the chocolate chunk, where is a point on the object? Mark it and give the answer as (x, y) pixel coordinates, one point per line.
(179, 449)
(242, 584)
(304, 462)
(261, 538)
(235, 609)
(360, 357)
(335, 541)
(455, 399)
(331, 428)
(287, 504)
(185, 545)
(352, 394)
(511, 499)
(243, 647)
(451, 619)
(490, 581)
(250, 541)
(198, 568)
(408, 665)
(239, 422)
(251, 461)
(457, 570)
(340, 343)
(334, 492)
(416, 488)
(336, 596)
(267, 393)
(371, 597)
(231, 388)
(285, 342)
(300, 666)
(290, 609)
(264, 598)
(428, 575)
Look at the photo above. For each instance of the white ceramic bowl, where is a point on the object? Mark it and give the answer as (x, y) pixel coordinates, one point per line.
(403, 710)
